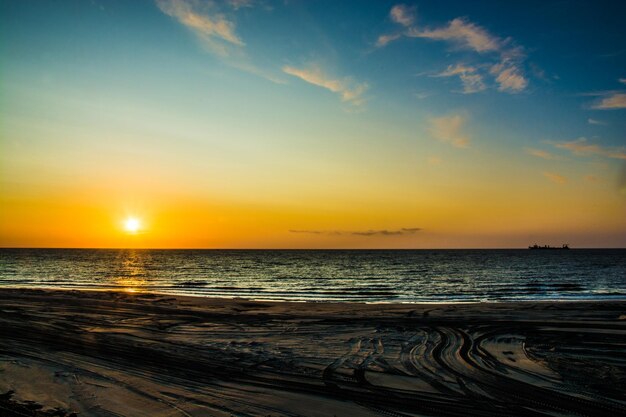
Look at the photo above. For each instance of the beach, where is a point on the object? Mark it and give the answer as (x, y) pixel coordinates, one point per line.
(106, 353)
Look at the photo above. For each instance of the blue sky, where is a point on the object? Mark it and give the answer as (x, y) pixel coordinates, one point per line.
(414, 103)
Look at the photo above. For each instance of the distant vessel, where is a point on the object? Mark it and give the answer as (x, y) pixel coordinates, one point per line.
(535, 246)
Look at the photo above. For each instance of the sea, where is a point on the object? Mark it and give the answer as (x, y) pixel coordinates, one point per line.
(377, 276)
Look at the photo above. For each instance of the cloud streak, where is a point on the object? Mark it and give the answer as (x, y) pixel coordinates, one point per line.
(472, 82)
(540, 153)
(611, 101)
(366, 233)
(463, 34)
(215, 30)
(449, 129)
(383, 40)
(348, 90)
(239, 4)
(582, 147)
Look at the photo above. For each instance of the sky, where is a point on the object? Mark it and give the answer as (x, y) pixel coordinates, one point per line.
(312, 124)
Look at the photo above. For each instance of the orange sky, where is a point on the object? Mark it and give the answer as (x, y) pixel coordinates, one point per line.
(236, 137)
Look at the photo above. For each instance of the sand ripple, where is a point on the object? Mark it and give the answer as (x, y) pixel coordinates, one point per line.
(106, 354)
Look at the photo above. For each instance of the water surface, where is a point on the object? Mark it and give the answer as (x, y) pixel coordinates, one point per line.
(328, 275)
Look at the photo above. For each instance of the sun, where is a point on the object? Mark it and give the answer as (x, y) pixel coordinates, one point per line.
(132, 225)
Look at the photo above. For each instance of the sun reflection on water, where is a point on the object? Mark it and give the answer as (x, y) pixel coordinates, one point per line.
(132, 276)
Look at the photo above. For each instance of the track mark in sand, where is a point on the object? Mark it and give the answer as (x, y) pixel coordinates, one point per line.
(365, 354)
(330, 374)
(504, 388)
(417, 359)
(467, 360)
(195, 401)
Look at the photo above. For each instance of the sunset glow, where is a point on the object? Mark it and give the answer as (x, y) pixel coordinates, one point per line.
(415, 126)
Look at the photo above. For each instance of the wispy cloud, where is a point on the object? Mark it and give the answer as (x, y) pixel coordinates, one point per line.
(509, 76)
(555, 178)
(215, 30)
(349, 90)
(449, 129)
(457, 69)
(423, 94)
(582, 147)
(316, 232)
(371, 232)
(507, 71)
(611, 101)
(385, 39)
(240, 4)
(402, 14)
(595, 122)
(403, 231)
(540, 153)
(463, 33)
(472, 82)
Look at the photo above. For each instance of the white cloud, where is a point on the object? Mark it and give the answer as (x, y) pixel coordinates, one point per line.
(346, 88)
(402, 14)
(595, 122)
(214, 29)
(472, 82)
(622, 80)
(615, 100)
(449, 129)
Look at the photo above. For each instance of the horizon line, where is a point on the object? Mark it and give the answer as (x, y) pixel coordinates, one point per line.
(293, 249)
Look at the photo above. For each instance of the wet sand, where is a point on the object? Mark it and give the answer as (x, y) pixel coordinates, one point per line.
(115, 353)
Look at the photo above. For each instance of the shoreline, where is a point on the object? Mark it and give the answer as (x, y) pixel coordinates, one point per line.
(100, 353)
(618, 298)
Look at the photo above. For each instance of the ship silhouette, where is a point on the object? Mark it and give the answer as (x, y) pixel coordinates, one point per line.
(546, 247)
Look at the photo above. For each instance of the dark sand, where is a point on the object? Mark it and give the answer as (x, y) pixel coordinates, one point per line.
(112, 354)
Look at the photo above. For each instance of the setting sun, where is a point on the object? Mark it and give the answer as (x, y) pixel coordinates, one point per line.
(132, 225)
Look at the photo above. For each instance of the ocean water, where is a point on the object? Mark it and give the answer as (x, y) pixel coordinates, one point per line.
(328, 275)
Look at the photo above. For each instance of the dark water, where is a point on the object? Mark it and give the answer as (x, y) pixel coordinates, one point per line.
(387, 276)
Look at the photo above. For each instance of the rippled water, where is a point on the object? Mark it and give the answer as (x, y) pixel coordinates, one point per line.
(342, 275)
